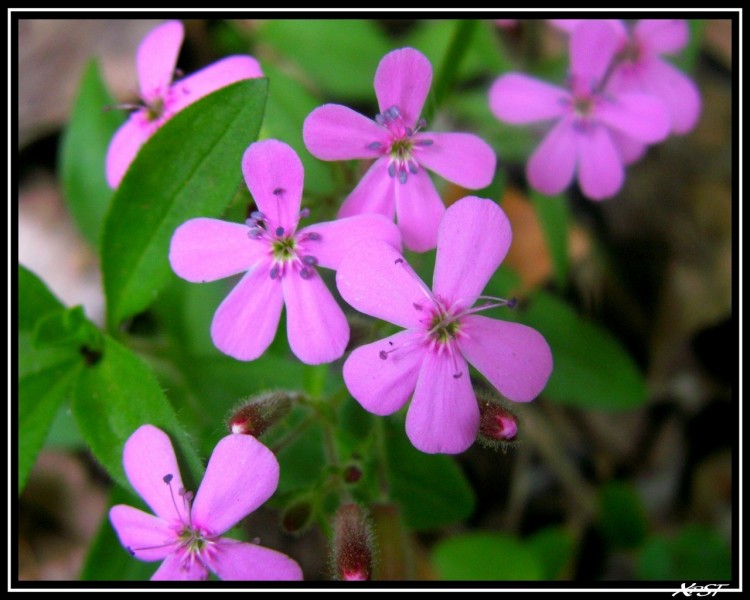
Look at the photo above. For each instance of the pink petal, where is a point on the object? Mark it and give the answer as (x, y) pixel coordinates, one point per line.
(335, 132)
(678, 92)
(551, 167)
(516, 359)
(148, 457)
(337, 237)
(241, 475)
(373, 194)
(663, 36)
(639, 116)
(566, 25)
(463, 158)
(237, 561)
(125, 145)
(443, 415)
(403, 80)
(209, 249)
(383, 386)
(274, 175)
(473, 240)
(419, 209)
(245, 323)
(211, 78)
(375, 279)
(179, 567)
(519, 99)
(316, 326)
(630, 150)
(147, 537)
(157, 57)
(592, 47)
(600, 169)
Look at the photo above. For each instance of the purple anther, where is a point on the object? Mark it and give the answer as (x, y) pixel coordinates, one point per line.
(132, 552)
(279, 231)
(512, 303)
(310, 260)
(398, 261)
(312, 235)
(257, 215)
(409, 131)
(424, 142)
(304, 213)
(375, 146)
(254, 233)
(251, 222)
(395, 112)
(392, 169)
(417, 305)
(380, 119)
(383, 354)
(305, 273)
(402, 176)
(274, 272)
(457, 375)
(278, 191)
(421, 124)
(168, 478)
(413, 167)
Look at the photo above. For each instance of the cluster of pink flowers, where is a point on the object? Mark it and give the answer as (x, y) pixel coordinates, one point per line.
(621, 97)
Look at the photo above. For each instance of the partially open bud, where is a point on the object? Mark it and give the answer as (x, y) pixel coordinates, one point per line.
(352, 544)
(256, 414)
(352, 473)
(498, 425)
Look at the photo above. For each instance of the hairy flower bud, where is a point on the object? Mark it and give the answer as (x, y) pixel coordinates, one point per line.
(352, 544)
(256, 414)
(298, 515)
(498, 425)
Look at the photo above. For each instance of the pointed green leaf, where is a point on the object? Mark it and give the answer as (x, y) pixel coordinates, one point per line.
(114, 397)
(34, 299)
(83, 151)
(430, 488)
(591, 368)
(39, 398)
(191, 167)
(552, 213)
(485, 557)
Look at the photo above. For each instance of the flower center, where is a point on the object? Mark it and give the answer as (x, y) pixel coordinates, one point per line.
(443, 327)
(402, 144)
(288, 249)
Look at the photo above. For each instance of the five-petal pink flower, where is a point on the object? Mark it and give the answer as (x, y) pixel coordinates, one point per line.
(186, 531)
(281, 262)
(396, 183)
(156, 60)
(597, 129)
(428, 361)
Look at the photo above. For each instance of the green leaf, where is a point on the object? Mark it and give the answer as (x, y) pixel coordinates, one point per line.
(34, 299)
(113, 398)
(39, 398)
(340, 56)
(430, 488)
(83, 153)
(697, 553)
(289, 104)
(485, 557)
(622, 515)
(591, 368)
(189, 168)
(107, 560)
(554, 548)
(553, 217)
(66, 327)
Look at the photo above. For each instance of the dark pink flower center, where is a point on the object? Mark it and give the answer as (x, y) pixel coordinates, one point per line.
(289, 250)
(401, 144)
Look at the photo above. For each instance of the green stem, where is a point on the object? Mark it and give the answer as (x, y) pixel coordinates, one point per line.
(382, 458)
(292, 434)
(459, 45)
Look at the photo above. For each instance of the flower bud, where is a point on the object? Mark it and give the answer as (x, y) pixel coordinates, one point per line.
(352, 473)
(498, 426)
(298, 515)
(352, 544)
(256, 414)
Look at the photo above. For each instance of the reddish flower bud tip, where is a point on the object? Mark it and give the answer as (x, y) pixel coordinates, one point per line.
(352, 474)
(498, 426)
(256, 414)
(352, 544)
(297, 516)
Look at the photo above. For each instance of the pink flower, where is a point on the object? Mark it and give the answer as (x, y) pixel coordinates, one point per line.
(162, 99)
(596, 130)
(281, 262)
(639, 65)
(186, 531)
(395, 184)
(428, 360)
